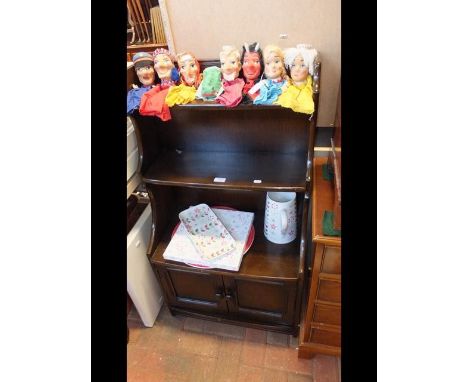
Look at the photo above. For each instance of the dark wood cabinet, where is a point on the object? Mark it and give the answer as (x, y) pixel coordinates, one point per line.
(257, 149)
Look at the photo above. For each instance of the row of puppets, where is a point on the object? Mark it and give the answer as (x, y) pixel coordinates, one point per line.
(271, 77)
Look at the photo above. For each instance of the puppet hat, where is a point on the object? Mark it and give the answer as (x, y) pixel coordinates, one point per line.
(142, 59)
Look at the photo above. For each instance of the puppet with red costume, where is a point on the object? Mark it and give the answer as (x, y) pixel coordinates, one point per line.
(252, 68)
(232, 85)
(153, 102)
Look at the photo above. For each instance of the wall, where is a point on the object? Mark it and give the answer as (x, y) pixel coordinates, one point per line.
(203, 26)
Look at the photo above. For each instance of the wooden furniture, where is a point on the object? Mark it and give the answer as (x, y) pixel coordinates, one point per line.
(270, 145)
(149, 48)
(321, 326)
(336, 161)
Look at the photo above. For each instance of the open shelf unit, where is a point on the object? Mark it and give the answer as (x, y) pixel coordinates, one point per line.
(255, 149)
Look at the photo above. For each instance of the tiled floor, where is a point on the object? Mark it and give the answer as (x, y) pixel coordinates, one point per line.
(179, 348)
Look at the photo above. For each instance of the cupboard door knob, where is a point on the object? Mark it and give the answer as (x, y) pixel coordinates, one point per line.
(219, 294)
(229, 295)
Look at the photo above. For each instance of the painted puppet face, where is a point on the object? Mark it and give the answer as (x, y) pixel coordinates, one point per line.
(274, 67)
(299, 70)
(145, 75)
(189, 69)
(163, 65)
(251, 66)
(230, 67)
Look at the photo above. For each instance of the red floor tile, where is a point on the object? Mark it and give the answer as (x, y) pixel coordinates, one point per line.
(253, 353)
(250, 374)
(293, 377)
(278, 339)
(179, 349)
(200, 344)
(325, 368)
(270, 375)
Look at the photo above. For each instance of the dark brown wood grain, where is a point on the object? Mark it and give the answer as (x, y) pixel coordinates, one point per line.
(180, 159)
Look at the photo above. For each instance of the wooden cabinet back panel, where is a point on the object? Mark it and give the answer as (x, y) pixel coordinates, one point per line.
(327, 314)
(331, 260)
(329, 291)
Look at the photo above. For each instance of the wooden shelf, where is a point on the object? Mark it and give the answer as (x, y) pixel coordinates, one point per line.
(277, 171)
(210, 105)
(264, 259)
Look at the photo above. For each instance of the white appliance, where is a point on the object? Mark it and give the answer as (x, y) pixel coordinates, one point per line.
(142, 285)
(132, 151)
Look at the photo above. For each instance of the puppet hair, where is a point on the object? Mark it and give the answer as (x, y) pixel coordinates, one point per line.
(307, 53)
(228, 50)
(275, 50)
(180, 62)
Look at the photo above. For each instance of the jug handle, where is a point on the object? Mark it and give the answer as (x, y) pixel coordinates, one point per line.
(284, 221)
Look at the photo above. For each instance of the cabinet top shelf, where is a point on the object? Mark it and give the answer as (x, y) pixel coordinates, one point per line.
(250, 171)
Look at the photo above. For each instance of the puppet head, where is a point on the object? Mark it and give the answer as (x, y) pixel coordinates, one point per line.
(274, 62)
(252, 61)
(164, 64)
(230, 62)
(143, 63)
(189, 68)
(300, 62)
(211, 82)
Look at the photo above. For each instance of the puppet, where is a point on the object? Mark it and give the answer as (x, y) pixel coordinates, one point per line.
(232, 85)
(252, 67)
(190, 78)
(143, 64)
(189, 68)
(275, 73)
(298, 95)
(153, 103)
(210, 87)
(165, 68)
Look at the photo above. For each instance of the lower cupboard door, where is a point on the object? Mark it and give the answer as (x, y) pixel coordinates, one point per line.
(195, 290)
(269, 301)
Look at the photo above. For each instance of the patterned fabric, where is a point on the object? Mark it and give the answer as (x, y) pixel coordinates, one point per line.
(298, 98)
(269, 92)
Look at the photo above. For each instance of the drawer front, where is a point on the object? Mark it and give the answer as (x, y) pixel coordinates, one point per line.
(325, 337)
(331, 262)
(329, 290)
(327, 314)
